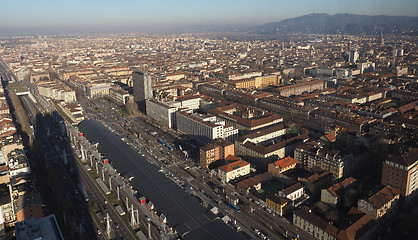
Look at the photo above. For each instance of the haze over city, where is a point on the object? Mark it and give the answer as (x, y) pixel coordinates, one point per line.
(49, 16)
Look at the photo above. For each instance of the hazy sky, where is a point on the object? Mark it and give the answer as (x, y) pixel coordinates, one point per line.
(115, 13)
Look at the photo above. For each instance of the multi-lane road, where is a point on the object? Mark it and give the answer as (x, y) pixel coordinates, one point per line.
(118, 226)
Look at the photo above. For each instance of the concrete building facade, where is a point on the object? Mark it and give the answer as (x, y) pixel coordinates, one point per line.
(142, 89)
(401, 172)
(162, 112)
(235, 169)
(203, 128)
(214, 151)
(383, 203)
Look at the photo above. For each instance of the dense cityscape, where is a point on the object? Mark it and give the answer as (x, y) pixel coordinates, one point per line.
(209, 136)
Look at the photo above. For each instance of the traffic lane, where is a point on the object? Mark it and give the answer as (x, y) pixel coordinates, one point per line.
(85, 179)
(77, 207)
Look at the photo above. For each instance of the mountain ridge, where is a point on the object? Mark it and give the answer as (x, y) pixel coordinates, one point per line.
(322, 23)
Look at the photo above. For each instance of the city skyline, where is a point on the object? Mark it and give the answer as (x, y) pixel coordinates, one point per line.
(130, 16)
(300, 129)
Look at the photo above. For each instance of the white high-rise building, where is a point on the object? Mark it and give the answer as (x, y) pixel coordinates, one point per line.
(353, 56)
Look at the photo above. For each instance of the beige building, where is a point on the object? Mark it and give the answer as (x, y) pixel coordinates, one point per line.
(56, 90)
(282, 165)
(339, 163)
(246, 83)
(333, 194)
(267, 80)
(360, 226)
(175, 76)
(119, 95)
(314, 225)
(236, 168)
(383, 203)
(268, 144)
(97, 89)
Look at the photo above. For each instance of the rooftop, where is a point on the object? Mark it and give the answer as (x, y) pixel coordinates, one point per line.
(233, 166)
(408, 159)
(384, 196)
(43, 228)
(285, 162)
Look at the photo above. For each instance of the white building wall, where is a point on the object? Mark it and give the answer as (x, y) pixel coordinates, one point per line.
(162, 113)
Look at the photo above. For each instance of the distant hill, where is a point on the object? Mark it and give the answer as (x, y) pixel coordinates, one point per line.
(342, 23)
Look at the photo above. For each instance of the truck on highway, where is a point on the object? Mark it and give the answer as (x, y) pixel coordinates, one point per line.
(120, 210)
(83, 192)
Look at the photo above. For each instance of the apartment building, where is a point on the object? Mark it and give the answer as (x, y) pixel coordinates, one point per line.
(56, 90)
(119, 95)
(245, 118)
(162, 112)
(18, 163)
(334, 194)
(293, 192)
(358, 226)
(299, 88)
(189, 101)
(401, 172)
(382, 204)
(214, 151)
(339, 163)
(203, 128)
(317, 180)
(97, 89)
(234, 169)
(282, 165)
(277, 204)
(314, 225)
(269, 144)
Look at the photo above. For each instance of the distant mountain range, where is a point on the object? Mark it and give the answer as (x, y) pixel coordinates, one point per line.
(321, 23)
(342, 23)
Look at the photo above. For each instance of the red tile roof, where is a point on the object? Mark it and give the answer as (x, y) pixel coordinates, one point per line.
(384, 196)
(285, 162)
(234, 165)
